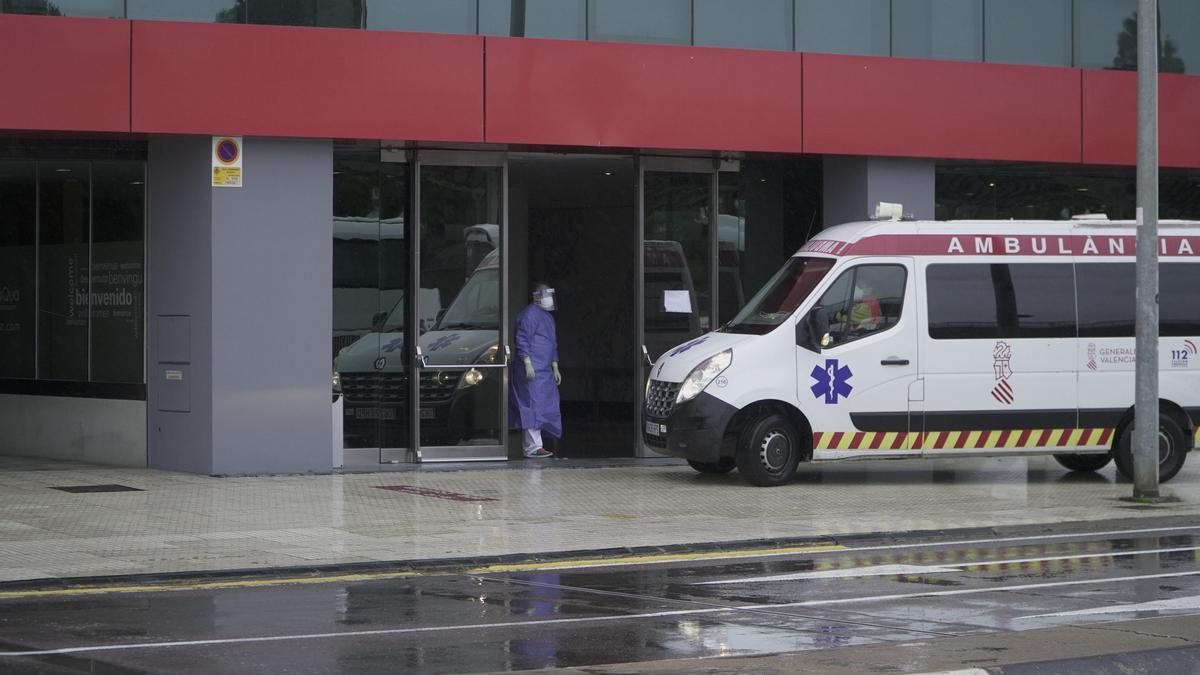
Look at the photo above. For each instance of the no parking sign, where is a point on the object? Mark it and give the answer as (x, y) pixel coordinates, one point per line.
(227, 161)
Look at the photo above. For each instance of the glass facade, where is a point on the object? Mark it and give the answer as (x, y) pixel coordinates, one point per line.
(72, 259)
(1046, 191)
(938, 29)
(1082, 33)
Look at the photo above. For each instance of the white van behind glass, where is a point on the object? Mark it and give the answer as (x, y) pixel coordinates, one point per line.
(937, 339)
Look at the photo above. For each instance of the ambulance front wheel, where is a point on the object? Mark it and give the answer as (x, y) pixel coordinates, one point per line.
(723, 465)
(1083, 462)
(1172, 448)
(768, 451)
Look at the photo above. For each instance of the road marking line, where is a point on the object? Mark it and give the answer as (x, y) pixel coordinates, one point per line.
(205, 585)
(621, 617)
(655, 558)
(1188, 602)
(901, 569)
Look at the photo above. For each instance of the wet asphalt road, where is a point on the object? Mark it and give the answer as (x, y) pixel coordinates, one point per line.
(496, 620)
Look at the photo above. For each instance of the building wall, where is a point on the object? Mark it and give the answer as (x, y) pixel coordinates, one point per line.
(93, 430)
(241, 300)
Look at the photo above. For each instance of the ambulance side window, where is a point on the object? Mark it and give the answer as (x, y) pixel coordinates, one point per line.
(863, 301)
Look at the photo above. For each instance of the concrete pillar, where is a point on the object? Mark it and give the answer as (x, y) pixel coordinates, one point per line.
(240, 306)
(853, 185)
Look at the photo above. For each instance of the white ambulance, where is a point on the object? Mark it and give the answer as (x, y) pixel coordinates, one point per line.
(938, 339)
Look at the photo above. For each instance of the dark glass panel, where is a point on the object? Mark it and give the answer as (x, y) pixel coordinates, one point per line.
(63, 271)
(766, 24)
(566, 19)
(863, 301)
(341, 13)
(844, 27)
(938, 29)
(1030, 191)
(677, 270)
(1106, 35)
(1179, 194)
(25, 7)
(118, 274)
(281, 12)
(1179, 301)
(442, 16)
(1106, 299)
(18, 222)
(1036, 32)
(766, 211)
(991, 301)
(101, 9)
(207, 11)
(661, 21)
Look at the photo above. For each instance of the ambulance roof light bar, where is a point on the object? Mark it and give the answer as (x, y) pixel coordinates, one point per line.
(888, 211)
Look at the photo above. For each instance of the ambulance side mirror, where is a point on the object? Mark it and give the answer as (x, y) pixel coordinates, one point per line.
(813, 324)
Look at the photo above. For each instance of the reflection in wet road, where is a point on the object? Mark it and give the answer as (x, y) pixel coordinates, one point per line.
(493, 620)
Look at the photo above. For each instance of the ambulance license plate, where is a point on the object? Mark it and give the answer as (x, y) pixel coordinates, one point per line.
(656, 429)
(427, 413)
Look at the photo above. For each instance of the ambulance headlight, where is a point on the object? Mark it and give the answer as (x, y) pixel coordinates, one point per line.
(337, 382)
(702, 374)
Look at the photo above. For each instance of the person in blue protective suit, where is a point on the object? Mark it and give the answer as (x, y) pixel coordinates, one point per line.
(533, 385)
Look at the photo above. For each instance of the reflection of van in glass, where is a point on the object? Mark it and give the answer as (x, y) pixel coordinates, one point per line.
(670, 296)
(362, 285)
(937, 339)
(458, 405)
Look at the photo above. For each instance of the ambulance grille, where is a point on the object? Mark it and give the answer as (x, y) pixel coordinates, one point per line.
(660, 398)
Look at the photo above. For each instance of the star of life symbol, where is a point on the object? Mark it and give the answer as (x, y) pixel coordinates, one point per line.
(444, 341)
(683, 348)
(832, 381)
(1002, 364)
(395, 344)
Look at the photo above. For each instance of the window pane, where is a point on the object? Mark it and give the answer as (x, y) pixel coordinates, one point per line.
(980, 301)
(1106, 34)
(1003, 191)
(665, 21)
(281, 12)
(1106, 299)
(117, 294)
(938, 29)
(566, 19)
(1179, 300)
(63, 271)
(1028, 31)
(211, 11)
(23, 6)
(423, 16)
(18, 194)
(1179, 35)
(844, 27)
(868, 304)
(763, 24)
(102, 9)
(341, 13)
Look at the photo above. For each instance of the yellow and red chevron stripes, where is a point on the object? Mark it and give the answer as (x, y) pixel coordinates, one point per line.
(964, 440)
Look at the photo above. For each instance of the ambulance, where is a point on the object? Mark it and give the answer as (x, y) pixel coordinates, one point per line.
(893, 339)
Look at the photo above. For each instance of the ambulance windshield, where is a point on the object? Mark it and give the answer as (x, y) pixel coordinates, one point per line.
(780, 296)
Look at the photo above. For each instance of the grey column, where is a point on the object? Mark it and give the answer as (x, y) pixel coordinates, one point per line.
(853, 185)
(240, 292)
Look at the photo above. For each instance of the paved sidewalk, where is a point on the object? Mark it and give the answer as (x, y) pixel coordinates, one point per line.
(180, 522)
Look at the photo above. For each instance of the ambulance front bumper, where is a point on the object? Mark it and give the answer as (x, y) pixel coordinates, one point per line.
(691, 430)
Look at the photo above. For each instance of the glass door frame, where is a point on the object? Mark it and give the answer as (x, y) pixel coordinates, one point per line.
(647, 163)
(464, 453)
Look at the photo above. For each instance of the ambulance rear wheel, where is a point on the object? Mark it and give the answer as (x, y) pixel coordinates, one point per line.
(1084, 462)
(768, 451)
(1172, 448)
(723, 465)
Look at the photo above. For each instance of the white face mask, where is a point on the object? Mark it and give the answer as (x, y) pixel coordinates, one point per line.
(546, 299)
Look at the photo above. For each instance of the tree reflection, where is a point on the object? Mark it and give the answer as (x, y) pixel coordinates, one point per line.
(1169, 60)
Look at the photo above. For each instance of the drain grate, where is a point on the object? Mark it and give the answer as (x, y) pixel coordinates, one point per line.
(97, 488)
